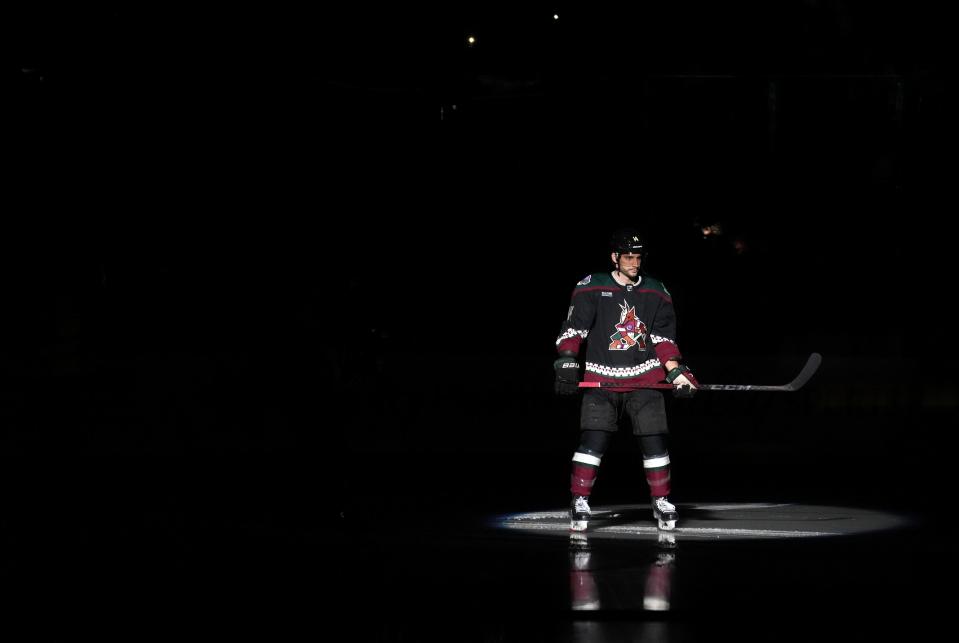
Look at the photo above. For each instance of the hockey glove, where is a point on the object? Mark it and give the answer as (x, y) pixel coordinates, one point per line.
(683, 381)
(567, 376)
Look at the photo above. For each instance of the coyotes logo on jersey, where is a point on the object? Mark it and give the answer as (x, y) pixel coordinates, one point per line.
(630, 331)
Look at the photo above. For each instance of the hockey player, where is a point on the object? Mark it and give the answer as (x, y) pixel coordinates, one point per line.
(627, 321)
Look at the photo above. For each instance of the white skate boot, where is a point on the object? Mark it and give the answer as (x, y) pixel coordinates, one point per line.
(665, 513)
(579, 513)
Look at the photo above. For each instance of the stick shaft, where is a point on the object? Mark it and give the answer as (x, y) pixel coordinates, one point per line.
(702, 387)
(811, 366)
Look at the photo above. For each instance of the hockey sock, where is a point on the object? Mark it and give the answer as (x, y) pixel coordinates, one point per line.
(656, 464)
(586, 462)
(657, 474)
(585, 469)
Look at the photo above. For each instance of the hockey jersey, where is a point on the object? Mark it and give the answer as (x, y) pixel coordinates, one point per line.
(629, 331)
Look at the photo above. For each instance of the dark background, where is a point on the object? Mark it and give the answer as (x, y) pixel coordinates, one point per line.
(288, 268)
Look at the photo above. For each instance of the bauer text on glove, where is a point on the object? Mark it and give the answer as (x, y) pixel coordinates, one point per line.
(567, 376)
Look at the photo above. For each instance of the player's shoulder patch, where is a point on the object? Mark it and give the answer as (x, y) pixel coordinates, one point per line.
(594, 280)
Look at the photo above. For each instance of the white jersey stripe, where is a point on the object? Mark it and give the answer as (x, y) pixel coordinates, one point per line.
(571, 332)
(632, 371)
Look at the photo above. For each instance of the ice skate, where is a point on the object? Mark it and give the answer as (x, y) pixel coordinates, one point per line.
(578, 542)
(579, 550)
(579, 513)
(665, 513)
(666, 540)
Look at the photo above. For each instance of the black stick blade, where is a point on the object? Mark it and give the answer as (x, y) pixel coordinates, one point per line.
(812, 365)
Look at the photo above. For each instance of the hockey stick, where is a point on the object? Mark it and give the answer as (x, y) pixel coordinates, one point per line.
(812, 365)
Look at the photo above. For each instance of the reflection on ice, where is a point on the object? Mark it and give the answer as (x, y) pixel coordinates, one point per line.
(587, 584)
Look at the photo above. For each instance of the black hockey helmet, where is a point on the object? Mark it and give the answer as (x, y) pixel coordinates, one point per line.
(628, 240)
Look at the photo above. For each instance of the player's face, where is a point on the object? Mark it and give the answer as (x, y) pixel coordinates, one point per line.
(627, 263)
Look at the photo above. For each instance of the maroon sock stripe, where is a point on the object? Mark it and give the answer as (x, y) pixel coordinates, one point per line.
(659, 481)
(582, 479)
